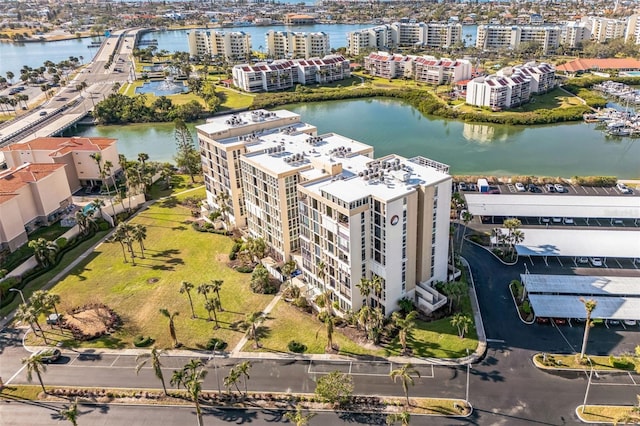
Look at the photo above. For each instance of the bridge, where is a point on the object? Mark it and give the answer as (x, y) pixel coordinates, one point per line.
(69, 106)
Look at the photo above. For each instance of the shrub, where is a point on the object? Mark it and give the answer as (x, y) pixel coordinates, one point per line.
(245, 269)
(621, 363)
(216, 343)
(263, 287)
(61, 242)
(526, 307)
(142, 341)
(103, 226)
(335, 388)
(302, 303)
(296, 347)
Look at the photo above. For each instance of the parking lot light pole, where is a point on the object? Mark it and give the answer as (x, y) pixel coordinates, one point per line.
(215, 367)
(466, 395)
(586, 393)
(21, 294)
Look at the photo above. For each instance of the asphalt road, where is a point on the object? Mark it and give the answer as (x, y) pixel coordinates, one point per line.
(505, 388)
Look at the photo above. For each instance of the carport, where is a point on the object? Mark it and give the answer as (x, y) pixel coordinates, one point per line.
(558, 296)
(557, 205)
(579, 243)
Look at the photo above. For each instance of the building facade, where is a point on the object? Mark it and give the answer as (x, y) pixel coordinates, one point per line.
(230, 45)
(293, 45)
(404, 34)
(511, 86)
(574, 33)
(284, 74)
(494, 37)
(603, 29)
(425, 69)
(77, 153)
(632, 31)
(325, 202)
(31, 195)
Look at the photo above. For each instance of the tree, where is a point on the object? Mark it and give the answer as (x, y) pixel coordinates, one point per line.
(36, 365)
(154, 357)
(454, 291)
(403, 417)
(589, 307)
(216, 285)
(514, 234)
(222, 199)
(211, 305)
(329, 323)
(260, 280)
(231, 380)
(172, 326)
(405, 373)
(287, 269)
(466, 218)
(405, 325)
(28, 314)
(462, 322)
(187, 156)
(364, 286)
(139, 234)
(51, 301)
(252, 321)
(97, 204)
(298, 417)
(44, 251)
(191, 377)
(335, 388)
(204, 290)
(70, 413)
(323, 300)
(186, 287)
(243, 371)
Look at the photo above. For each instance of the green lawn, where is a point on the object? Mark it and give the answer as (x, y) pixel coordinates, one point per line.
(286, 323)
(175, 252)
(602, 363)
(179, 183)
(607, 413)
(233, 100)
(554, 99)
(50, 233)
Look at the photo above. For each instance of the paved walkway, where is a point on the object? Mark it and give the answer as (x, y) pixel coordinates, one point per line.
(245, 338)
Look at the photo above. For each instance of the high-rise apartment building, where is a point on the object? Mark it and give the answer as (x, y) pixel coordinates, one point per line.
(404, 34)
(495, 37)
(291, 45)
(324, 201)
(603, 29)
(574, 33)
(231, 45)
(632, 31)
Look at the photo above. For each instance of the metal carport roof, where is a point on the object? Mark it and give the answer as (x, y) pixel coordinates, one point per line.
(580, 284)
(580, 242)
(557, 205)
(620, 308)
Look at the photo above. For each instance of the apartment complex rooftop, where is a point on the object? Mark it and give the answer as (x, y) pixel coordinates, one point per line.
(220, 127)
(386, 178)
(12, 179)
(62, 145)
(281, 152)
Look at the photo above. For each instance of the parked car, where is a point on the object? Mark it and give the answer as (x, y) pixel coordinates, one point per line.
(535, 189)
(559, 321)
(623, 188)
(559, 188)
(472, 187)
(462, 186)
(595, 261)
(613, 322)
(630, 323)
(43, 113)
(542, 320)
(545, 220)
(493, 190)
(583, 260)
(54, 319)
(550, 188)
(568, 221)
(557, 220)
(50, 355)
(520, 187)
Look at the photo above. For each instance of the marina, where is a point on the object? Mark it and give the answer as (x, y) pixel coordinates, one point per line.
(617, 121)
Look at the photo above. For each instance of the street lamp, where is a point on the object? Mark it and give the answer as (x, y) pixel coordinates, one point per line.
(21, 294)
(215, 367)
(466, 395)
(586, 392)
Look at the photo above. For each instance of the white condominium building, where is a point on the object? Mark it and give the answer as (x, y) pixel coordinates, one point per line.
(288, 44)
(633, 29)
(574, 33)
(223, 140)
(231, 45)
(324, 201)
(511, 86)
(284, 74)
(603, 29)
(432, 34)
(493, 37)
(425, 69)
(385, 218)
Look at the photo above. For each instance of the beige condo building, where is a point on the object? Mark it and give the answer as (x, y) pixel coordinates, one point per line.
(291, 45)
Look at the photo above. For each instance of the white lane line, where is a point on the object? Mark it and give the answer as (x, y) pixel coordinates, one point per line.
(495, 341)
(115, 360)
(14, 376)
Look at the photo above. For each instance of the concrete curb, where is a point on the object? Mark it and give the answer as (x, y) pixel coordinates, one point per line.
(599, 422)
(494, 255)
(515, 303)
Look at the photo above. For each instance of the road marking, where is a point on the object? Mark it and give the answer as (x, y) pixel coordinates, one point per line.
(563, 336)
(115, 360)
(14, 376)
(631, 377)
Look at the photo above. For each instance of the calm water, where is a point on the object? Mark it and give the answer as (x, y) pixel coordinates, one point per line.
(394, 127)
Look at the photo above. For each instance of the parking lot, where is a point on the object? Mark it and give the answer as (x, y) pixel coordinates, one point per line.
(567, 189)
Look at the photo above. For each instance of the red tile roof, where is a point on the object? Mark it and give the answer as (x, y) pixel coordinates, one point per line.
(59, 146)
(603, 64)
(13, 179)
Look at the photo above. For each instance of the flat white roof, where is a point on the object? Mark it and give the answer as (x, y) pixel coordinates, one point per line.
(620, 308)
(580, 242)
(242, 119)
(557, 205)
(580, 284)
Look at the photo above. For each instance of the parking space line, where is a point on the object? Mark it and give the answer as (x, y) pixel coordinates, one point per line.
(72, 361)
(115, 360)
(631, 377)
(560, 262)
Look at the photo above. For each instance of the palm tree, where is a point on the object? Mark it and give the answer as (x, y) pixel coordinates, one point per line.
(321, 271)
(139, 234)
(215, 286)
(287, 270)
(51, 301)
(232, 380)
(191, 377)
(28, 314)
(376, 286)
(365, 289)
(172, 326)
(405, 325)
(324, 301)
(462, 322)
(36, 365)
(298, 417)
(252, 321)
(154, 356)
(211, 305)
(403, 417)
(589, 306)
(243, 371)
(466, 218)
(405, 374)
(43, 250)
(186, 287)
(204, 290)
(70, 413)
(97, 204)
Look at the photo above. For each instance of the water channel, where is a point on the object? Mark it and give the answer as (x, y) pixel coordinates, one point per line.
(392, 126)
